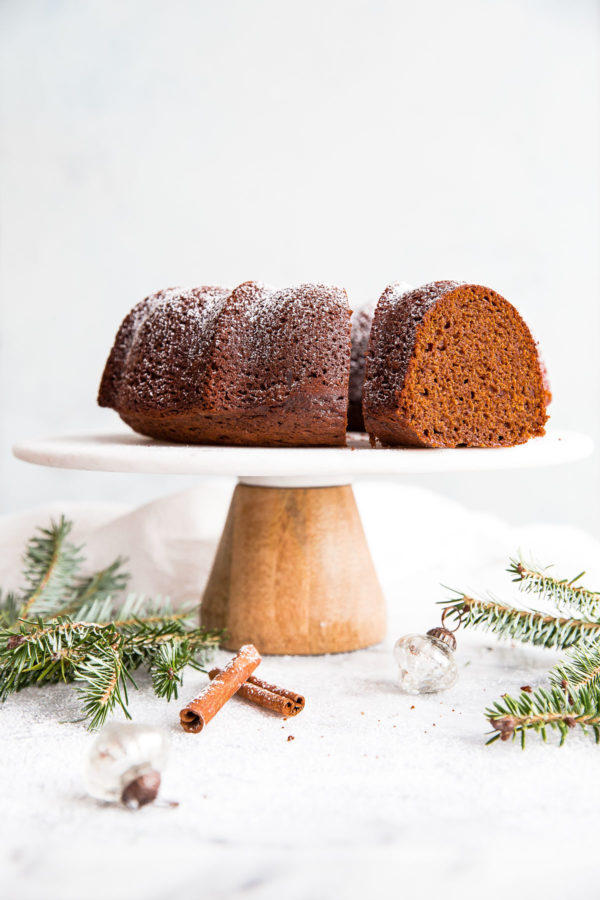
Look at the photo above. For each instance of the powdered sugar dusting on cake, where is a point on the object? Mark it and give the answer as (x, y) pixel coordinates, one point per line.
(199, 306)
(428, 294)
(362, 320)
(268, 299)
(299, 307)
(159, 335)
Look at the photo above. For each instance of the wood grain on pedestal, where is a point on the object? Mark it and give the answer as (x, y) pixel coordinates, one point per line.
(293, 573)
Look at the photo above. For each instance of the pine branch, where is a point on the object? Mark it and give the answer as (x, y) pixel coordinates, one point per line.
(132, 610)
(50, 565)
(139, 611)
(527, 626)
(543, 710)
(580, 670)
(9, 609)
(39, 652)
(564, 594)
(141, 643)
(63, 627)
(168, 664)
(103, 677)
(53, 585)
(93, 593)
(573, 700)
(101, 656)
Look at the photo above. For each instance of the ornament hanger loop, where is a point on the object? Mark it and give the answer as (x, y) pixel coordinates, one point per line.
(445, 612)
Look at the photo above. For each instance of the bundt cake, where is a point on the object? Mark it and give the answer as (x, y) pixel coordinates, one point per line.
(452, 365)
(248, 366)
(362, 319)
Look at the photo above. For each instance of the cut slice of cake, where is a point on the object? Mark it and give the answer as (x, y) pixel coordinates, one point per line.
(452, 365)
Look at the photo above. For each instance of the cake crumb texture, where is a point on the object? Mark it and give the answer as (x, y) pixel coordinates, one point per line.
(452, 365)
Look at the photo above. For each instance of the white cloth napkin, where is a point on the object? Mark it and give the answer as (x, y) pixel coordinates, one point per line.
(170, 542)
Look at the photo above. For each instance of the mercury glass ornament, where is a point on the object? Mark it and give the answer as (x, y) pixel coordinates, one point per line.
(426, 661)
(125, 762)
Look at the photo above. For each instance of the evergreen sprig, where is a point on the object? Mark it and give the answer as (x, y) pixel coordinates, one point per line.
(580, 670)
(564, 593)
(168, 664)
(50, 566)
(69, 628)
(572, 702)
(9, 608)
(102, 681)
(99, 588)
(525, 625)
(543, 710)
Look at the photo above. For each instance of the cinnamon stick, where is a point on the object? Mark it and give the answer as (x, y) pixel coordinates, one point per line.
(201, 710)
(268, 696)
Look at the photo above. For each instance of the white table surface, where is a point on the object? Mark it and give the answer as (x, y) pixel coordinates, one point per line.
(378, 795)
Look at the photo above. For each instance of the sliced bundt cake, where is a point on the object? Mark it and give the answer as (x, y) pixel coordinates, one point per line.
(248, 366)
(452, 365)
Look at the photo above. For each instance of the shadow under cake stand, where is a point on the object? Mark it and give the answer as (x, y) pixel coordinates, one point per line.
(292, 572)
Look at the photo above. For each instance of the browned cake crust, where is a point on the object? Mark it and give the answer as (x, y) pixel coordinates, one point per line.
(452, 365)
(249, 366)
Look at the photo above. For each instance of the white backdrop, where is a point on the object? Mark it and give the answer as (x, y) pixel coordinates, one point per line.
(147, 144)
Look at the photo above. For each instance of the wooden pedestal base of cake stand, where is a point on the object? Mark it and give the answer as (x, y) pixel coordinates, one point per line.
(292, 573)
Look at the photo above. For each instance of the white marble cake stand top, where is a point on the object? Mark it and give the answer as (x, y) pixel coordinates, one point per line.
(126, 451)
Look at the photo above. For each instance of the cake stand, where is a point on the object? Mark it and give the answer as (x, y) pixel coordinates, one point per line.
(292, 572)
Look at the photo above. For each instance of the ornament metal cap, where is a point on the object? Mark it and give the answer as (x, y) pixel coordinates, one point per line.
(141, 790)
(443, 635)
